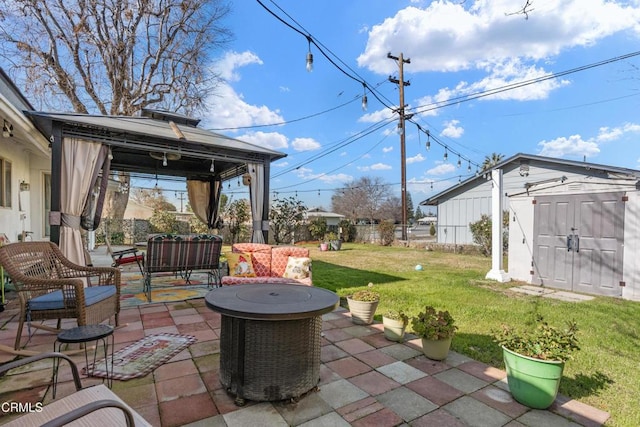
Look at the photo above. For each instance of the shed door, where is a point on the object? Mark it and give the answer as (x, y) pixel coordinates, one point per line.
(578, 242)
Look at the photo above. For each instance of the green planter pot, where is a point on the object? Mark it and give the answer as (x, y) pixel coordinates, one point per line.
(393, 329)
(362, 311)
(532, 382)
(436, 349)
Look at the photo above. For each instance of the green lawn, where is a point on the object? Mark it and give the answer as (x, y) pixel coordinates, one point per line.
(604, 373)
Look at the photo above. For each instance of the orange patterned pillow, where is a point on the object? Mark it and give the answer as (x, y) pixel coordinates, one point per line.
(240, 265)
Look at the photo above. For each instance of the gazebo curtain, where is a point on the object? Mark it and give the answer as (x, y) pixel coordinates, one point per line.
(81, 162)
(256, 195)
(204, 199)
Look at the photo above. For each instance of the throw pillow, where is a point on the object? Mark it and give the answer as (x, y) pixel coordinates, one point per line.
(297, 268)
(240, 265)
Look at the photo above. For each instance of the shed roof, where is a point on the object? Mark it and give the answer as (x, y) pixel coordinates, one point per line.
(521, 158)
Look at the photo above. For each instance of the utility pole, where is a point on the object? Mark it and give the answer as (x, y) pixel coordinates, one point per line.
(401, 127)
(180, 196)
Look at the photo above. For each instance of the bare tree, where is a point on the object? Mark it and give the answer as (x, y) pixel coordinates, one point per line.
(113, 57)
(361, 199)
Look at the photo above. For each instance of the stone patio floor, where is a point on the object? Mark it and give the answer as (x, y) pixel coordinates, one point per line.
(365, 380)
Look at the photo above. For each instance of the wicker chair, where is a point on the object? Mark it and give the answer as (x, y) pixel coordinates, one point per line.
(49, 287)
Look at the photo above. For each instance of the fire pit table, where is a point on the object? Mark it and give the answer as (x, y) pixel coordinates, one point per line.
(270, 338)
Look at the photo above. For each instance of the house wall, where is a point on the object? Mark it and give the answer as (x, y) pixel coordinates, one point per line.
(26, 212)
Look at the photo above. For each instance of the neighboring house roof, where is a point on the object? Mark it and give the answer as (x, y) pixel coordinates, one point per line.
(319, 213)
(521, 158)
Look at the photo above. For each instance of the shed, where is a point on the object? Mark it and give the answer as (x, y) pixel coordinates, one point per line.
(572, 225)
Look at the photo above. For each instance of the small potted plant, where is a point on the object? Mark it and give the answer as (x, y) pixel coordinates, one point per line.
(332, 240)
(363, 305)
(394, 322)
(534, 359)
(436, 328)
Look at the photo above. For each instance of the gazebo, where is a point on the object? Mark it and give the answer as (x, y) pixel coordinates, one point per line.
(85, 149)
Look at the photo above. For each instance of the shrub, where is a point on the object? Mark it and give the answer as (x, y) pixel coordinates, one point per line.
(387, 232)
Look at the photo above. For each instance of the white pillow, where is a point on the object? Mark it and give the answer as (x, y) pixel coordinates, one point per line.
(297, 268)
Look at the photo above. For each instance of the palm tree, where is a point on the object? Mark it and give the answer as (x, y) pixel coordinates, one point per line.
(491, 161)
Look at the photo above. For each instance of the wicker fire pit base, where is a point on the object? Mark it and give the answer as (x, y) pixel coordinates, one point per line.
(266, 360)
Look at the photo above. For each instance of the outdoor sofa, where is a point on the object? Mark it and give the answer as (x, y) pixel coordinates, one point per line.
(261, 263)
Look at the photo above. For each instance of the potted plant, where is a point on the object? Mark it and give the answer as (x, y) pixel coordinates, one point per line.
(317, 229)
(363, 305)
(534, 359)
(332, 239)
(436, 328)
(394, 323)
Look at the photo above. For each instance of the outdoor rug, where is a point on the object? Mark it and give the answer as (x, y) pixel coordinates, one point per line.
(165, 287)
(143, 356)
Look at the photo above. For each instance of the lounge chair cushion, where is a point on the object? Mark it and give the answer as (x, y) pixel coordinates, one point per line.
(53, 300)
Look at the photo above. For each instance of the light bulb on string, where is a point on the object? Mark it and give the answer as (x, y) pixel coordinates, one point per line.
(469, 167)
(110, 156)
(459, 162)
(446, 155)
(212, 169)
(164, 159)
(364, 97)
(432, 185)
(309, 57)
(428, 141)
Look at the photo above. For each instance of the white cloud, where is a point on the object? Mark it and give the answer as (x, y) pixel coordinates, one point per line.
(416, 159)
(380, 167)
(227, 107)
(611, 134)
(227, 65)
(305, 144)
(448, 36)
(452, 130)
(573, 146)
(376, 116)
(387, 149)
(272, 140)
(441, 169)
(338, 178)
(453, 36)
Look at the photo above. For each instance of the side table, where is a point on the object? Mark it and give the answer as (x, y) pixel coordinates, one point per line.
(83, 335)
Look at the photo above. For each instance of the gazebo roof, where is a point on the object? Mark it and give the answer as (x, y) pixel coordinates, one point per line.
(139, 143)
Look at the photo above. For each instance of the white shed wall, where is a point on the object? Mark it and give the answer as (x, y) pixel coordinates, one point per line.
(631, 266)
(520, 238)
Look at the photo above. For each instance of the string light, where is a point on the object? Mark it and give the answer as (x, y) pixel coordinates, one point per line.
(164, 159)
(110, 156)
(459, 162)
(212, 169)
(446, 155)
(428, 140)
(309, 57)
(364, 97)
(469, 167)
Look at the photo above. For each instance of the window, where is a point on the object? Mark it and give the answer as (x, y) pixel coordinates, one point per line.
(5, 183)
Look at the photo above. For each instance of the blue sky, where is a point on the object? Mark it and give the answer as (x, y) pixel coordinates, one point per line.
(456, 49)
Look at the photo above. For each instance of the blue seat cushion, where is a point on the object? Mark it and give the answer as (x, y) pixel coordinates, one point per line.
(53, 300)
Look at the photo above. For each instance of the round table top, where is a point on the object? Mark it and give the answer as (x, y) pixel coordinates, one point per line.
(271, 301)
(85, 333)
